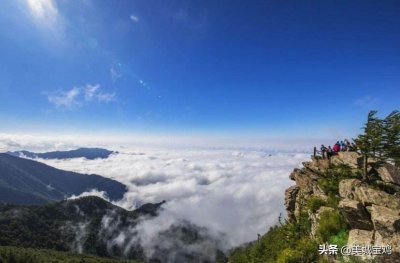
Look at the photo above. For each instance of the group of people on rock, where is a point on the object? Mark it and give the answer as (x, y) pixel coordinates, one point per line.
(339, 146)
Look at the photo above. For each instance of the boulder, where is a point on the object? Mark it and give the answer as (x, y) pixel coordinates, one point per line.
(347, 187)
(305, 181)
(353, 159)
(386, 221)
(317, 165)
(388, 173)
(290, 201)
(293, 174)
(393, 241)
(389, 187)
(369, 196)
(360, 237)
(356, 214)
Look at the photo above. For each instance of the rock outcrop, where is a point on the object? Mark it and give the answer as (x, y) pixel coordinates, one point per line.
(371, 211)
(369, 196)
(290, 201)
(356, 214)
(353, 159)
(389, 173)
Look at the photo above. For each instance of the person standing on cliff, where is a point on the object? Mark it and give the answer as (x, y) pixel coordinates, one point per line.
(329, 152)
(343, 146)
(348, 145)
(336, 147)
(323, 151)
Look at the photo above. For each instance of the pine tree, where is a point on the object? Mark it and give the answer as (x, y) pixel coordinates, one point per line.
(391, 147)
(371, 143)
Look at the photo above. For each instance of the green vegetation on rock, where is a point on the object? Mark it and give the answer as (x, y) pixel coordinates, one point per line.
(315, 203)
(288, 242)
(31, 255)
(331, 223)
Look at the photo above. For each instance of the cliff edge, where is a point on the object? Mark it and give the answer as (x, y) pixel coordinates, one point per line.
(368, 211)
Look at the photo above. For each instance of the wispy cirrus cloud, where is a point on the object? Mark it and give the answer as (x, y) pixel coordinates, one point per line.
(65, 99)
(134, 18)
(115, 74)
(78, 96)
(92, 93)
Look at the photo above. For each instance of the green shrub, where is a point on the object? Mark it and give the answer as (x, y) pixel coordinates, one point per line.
(239, 255)
(330, 224)
(340, 239)
(289, 255)
(31, 255)
(279, 239)
(306, 251)
(333, 200)
(314, 203)
(329, 185)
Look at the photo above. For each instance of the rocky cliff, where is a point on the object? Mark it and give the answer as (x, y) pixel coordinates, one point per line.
(371, 210)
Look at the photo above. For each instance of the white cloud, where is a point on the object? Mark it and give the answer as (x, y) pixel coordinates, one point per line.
(105, 97)
(134, 18)
(115, 75)
(65, 99)
(77, 96)
(93, 192)
(236, 192)
(92, 93)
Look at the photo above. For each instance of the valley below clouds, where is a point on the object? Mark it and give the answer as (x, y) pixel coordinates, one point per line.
(234, 193)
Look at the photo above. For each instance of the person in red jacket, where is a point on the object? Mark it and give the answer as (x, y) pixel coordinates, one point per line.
(336, 147)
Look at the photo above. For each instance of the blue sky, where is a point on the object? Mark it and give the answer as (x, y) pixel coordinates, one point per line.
(277, 68)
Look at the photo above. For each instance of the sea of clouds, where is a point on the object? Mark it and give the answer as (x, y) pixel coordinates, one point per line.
(239, 193)
(236, 192)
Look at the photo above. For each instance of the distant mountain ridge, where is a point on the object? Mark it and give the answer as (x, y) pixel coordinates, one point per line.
(88, 153)
(24, 181)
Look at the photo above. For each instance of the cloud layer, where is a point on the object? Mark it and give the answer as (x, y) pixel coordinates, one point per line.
(236, 192)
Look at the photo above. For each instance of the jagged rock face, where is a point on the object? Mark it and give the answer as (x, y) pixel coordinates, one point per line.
(303, 180)
(386, 220)
(364, 205)
(388, 173)
(373, 215)
(317, 165)
(354, 189)
(381, 239)
(290, 201)
(306, 186)
(308, 183)
(356, 214)
(369, 196)
(347, 188)
(360, 237)
(353, 159)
